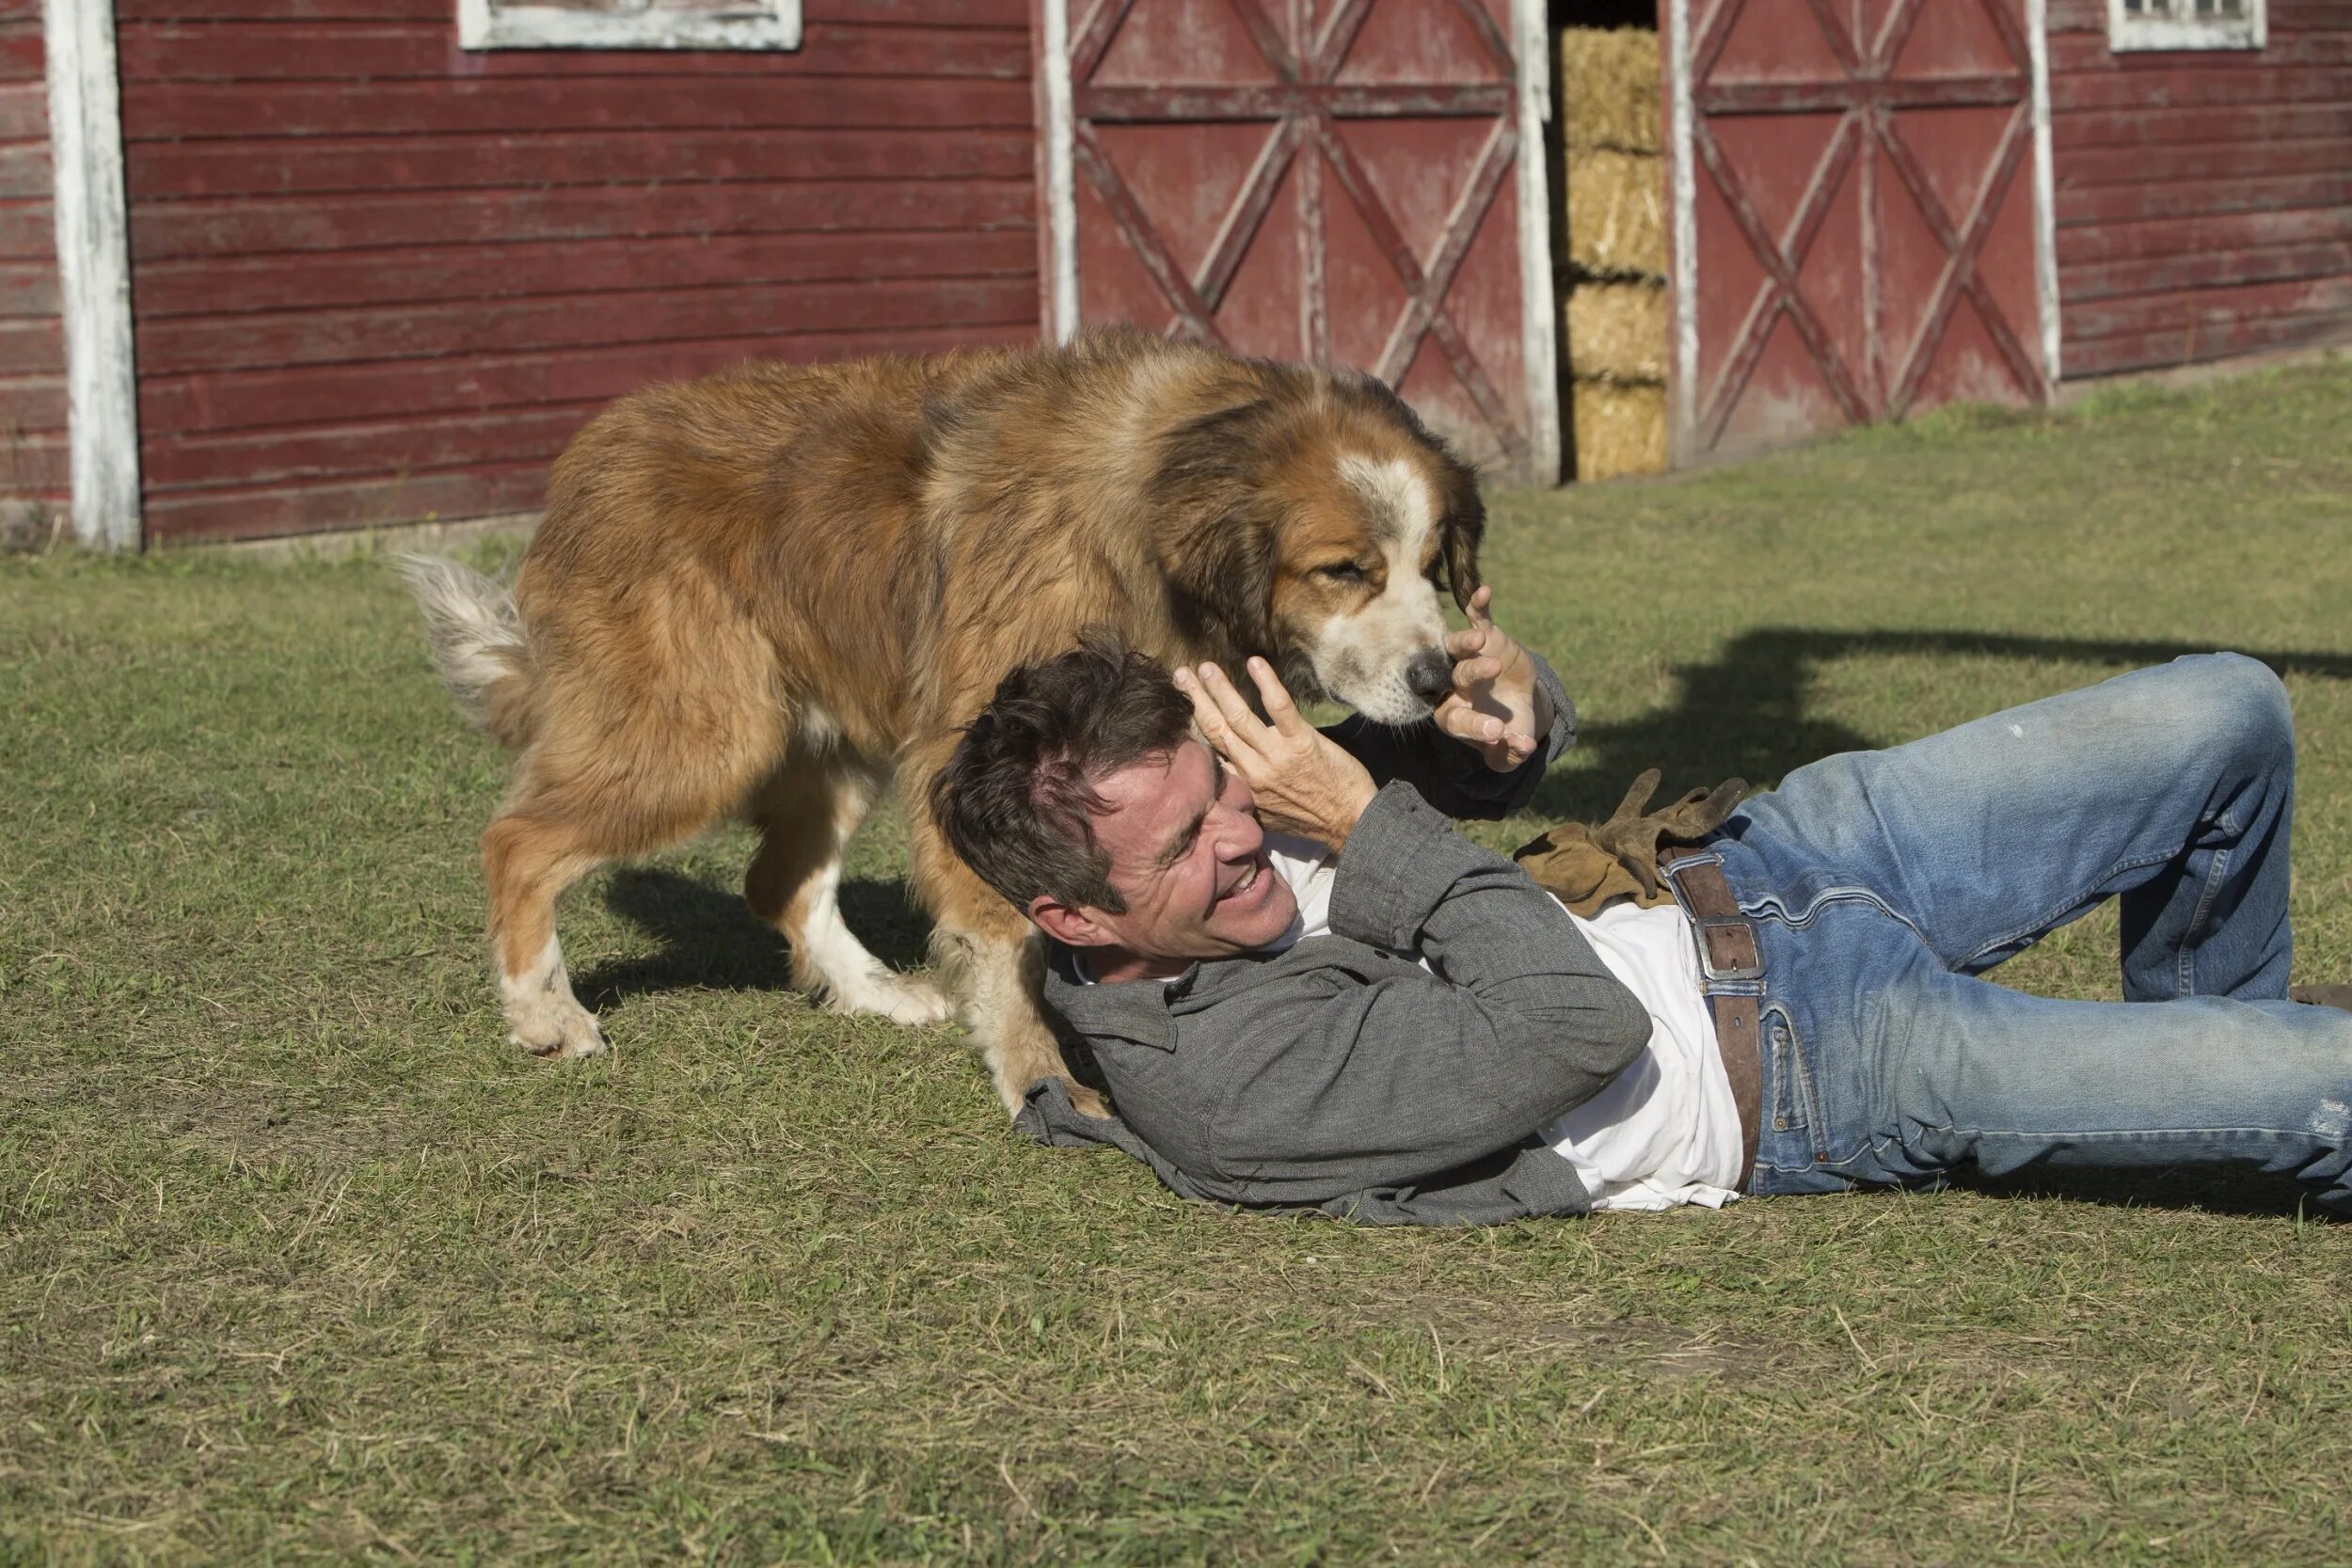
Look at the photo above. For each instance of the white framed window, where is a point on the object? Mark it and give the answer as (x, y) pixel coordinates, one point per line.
(2134, 24)
(629, 25)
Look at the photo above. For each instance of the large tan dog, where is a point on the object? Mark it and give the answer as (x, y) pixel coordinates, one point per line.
(772, 591)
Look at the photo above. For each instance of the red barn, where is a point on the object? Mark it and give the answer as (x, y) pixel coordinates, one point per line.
(2202, 153)
(385, 256)
(1882, 204)
(285, 266)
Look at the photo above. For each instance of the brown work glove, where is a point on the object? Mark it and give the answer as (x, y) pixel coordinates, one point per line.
(1586, 867)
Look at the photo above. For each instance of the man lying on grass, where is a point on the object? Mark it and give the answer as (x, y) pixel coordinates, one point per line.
(1301, 987)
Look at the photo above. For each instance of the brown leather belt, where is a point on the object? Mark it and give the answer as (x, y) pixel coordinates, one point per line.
(1728, 951)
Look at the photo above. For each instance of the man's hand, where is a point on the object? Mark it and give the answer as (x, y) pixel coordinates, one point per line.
(1305, 783)
(1495, 705)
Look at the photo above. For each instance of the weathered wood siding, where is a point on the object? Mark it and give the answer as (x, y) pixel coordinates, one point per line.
(378, 278)
(35, 477)
(2203, 200)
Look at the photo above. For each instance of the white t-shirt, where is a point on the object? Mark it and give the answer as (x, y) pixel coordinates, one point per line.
(1666, 1130)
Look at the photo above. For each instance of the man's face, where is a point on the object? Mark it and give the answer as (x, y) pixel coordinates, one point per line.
(1188, 857)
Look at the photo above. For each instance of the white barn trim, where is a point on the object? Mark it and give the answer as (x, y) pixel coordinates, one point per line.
(94, 270)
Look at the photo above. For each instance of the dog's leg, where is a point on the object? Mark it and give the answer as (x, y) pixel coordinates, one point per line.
(527, 863)
(993, 963)
(806, 815)
(612, 773)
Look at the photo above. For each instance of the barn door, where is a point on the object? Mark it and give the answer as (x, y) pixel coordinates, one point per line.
(1860, 214)
(1350, 181)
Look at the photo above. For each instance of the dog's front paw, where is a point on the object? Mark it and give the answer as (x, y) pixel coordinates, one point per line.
(556, 1029)
(895, 997)
(1085, 1100)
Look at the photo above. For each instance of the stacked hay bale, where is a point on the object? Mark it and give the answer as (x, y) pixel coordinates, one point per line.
(1609, 249)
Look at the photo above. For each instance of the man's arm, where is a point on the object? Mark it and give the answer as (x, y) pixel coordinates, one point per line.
(1341, 1068)
(1328, 1086)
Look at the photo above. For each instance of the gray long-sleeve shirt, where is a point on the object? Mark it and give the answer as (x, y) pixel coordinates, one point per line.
(1342, 1074)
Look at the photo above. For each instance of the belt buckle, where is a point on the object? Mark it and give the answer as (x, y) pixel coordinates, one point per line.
(1702, 924)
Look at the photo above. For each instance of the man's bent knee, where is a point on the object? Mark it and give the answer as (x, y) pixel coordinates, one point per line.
(2239, 703)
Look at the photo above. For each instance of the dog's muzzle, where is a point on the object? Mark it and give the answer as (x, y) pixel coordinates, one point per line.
(1430, 675)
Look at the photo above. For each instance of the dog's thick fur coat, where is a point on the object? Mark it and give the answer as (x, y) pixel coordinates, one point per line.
(773, 591)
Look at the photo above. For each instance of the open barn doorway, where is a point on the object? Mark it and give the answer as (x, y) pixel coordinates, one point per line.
(1609, 216)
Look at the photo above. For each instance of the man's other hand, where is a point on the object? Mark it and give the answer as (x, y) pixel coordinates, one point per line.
(1496, 706)
(1303, 781)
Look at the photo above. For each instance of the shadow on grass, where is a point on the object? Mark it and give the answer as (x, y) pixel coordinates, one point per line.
(1744, 712)
(711, 941)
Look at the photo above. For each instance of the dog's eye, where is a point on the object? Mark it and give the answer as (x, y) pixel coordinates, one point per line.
(1345, 571)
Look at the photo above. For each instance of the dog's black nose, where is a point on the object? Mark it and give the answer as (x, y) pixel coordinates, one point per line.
(1430, 675)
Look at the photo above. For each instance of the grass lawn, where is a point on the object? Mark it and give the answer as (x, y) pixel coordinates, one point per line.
(299, 1261)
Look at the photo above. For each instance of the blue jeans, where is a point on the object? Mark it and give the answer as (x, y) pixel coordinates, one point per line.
(1885, 884)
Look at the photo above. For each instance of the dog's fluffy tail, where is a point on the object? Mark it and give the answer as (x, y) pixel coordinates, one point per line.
(477, 642)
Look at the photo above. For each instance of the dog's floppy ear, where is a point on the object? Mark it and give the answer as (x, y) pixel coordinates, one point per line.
(1464, 525)
(1210, 528)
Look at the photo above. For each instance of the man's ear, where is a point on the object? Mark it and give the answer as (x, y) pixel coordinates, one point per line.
(1067, 924)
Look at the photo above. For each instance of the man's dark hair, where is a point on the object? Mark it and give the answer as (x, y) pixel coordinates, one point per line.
(1013, 798)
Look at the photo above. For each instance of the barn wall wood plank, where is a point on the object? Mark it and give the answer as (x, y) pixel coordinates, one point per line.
(2185, 199)
(2089, 54)
(2187, 344)
(483, 490)
(2204, 269)
(2201, 87)
(2207, 309)
(912, 13)
(261, 166)
(273, 52)
(29, 289)
(921, 13)
(214, 286)
(45, 452)
(35, 346)
(444, 440)
(370, 391)
(538, 103)
(361, 305)
(2091, 169)
(36, 468)
(2197, 127)
(257, 225)
(22, 57)
(36, 402)
(2222, 233)
(25, 170)
(202, 344)
(287, 10)
(25, 111)
(28, 230)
